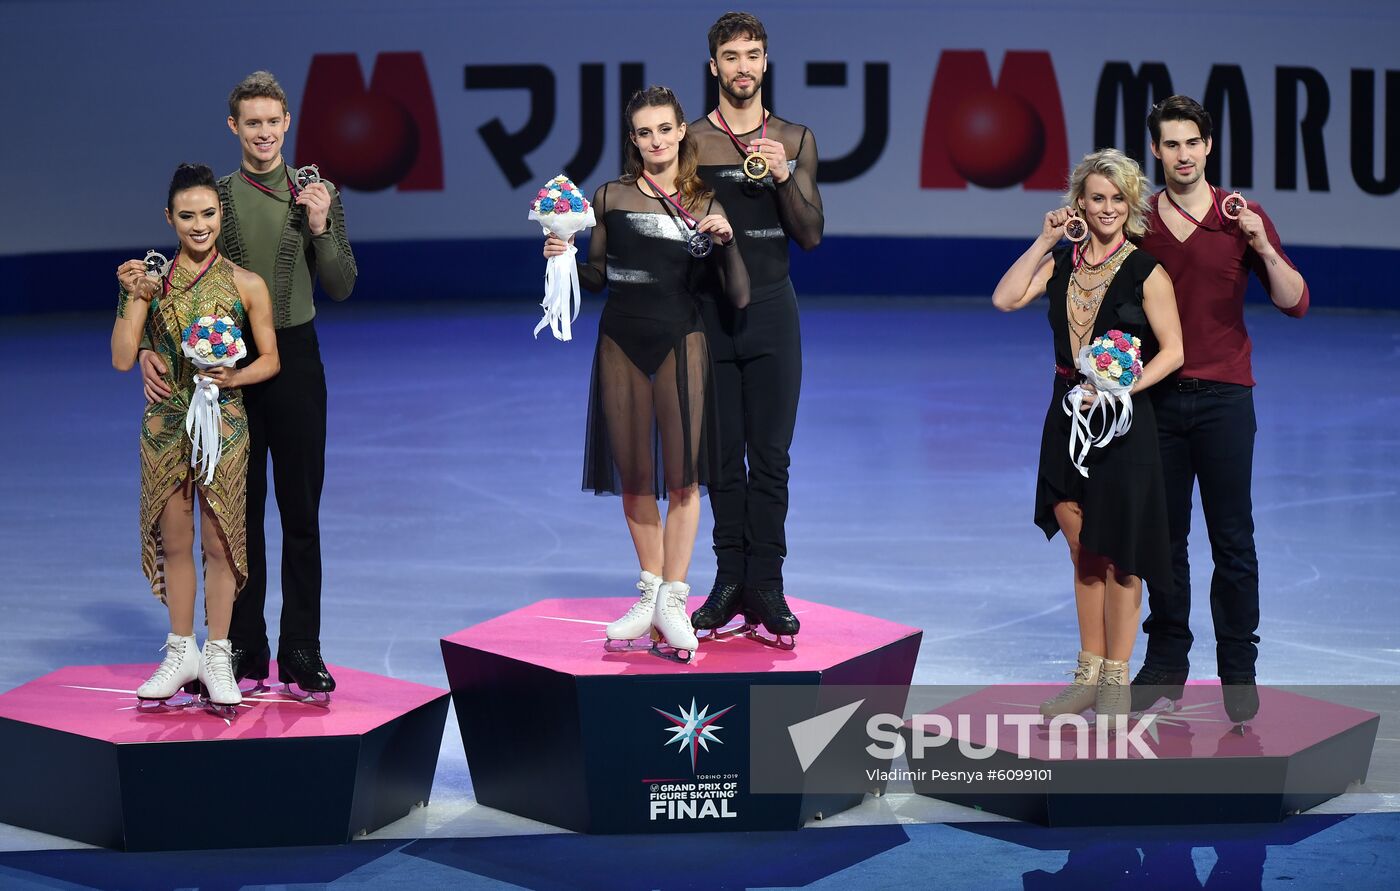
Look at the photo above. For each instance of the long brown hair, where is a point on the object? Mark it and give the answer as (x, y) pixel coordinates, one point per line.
(693, 190)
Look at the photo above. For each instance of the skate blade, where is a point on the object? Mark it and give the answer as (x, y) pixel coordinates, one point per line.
(315, 697)
(622, 645)
(252, 687)
(665, 651)
(1157, 707)
(181, 700)
(777, 641)
(724, 633)
(222, 710)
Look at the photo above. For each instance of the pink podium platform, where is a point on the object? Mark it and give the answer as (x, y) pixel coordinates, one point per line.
(1188, 764)
(80, 760)
(558, 730)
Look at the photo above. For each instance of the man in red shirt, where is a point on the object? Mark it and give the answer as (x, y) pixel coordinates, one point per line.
(1205, 416)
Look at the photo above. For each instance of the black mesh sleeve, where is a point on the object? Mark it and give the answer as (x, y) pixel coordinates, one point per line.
(799, 202)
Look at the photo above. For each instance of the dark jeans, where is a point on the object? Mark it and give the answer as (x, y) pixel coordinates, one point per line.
(286, 419)
(1207, 432)
(758, 375)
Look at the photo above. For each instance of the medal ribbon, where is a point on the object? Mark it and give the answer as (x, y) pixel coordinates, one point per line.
(1214, 202)
(744, 147)
(1081, 250)
(275, 193)
(170, 276)
(686, 215)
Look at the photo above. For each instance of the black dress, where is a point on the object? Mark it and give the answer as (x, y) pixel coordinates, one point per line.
(652, 421)
(1123, 498)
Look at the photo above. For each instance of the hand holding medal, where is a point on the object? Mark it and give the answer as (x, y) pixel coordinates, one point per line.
(699, 242)
(313, 193)
(140, 278)
(761, 156)
(156, 265)
(1233, 205)
(308, 174)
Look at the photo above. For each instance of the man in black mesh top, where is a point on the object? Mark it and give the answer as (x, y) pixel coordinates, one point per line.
(764, 172)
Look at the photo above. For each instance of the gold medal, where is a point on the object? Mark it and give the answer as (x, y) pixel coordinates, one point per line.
(755, 166)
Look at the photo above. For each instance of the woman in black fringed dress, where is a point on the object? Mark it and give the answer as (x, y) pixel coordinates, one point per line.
(1115, 519)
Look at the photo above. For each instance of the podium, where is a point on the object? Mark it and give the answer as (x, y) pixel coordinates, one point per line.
(1185, 765)
(80, 760)
(558, 730)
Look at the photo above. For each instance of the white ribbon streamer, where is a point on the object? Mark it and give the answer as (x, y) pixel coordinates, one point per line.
(1110, 415)
(1113, 413)
(562, 297)
(203, 425)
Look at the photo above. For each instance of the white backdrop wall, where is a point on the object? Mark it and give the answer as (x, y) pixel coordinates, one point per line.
(105, 97)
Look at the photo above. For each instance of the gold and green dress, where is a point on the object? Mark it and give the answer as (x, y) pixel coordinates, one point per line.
(165, 447)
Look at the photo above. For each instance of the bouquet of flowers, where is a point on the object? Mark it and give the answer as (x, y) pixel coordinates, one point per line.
(209, 342)
(561, 209)
(1111, 364)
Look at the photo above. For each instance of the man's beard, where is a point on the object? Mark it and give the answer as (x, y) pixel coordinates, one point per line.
(1198, 171)
(752, 90)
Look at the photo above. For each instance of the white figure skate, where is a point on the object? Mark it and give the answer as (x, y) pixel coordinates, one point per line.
(175, 679)
(636, 622)
(216, 674)
(673, 637)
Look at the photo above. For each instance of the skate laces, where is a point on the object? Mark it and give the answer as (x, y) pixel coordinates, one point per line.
(220, 667)
(1111, 678)
(1080, 677)
(673, 606)
(173, 657)
(643, 606)
(775, 601)
(1066, 694)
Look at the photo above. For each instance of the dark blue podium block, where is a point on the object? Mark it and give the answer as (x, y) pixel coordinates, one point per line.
(557, 730)
(1189, 765)
(78, 759)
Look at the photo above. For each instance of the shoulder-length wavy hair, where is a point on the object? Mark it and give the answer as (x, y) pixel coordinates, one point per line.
(694, 192)
(1126, 175)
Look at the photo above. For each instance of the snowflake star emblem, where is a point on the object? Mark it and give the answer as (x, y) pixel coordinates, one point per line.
(694, 729)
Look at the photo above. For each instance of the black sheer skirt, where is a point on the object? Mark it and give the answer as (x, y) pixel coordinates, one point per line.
(651, 408)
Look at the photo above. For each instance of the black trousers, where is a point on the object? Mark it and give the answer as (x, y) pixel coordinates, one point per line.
(287, 420)
(757, 354)
(1207, 432)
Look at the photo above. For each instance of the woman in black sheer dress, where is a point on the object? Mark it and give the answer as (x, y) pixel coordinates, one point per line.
(1115, 519)
(651, 415)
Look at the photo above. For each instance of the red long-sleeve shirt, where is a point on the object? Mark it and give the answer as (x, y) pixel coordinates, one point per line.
(1209, 272)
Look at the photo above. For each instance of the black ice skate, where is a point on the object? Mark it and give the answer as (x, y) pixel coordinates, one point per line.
(1241, 700)
(1155, 684)
(304, 675)
(724, 603)
(251, 665)
(772, 610)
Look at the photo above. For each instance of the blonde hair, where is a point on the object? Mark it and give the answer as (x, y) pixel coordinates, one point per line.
(1126, 176)
(258, 85)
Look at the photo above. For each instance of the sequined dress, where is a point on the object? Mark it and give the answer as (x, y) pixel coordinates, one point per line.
(165, 447)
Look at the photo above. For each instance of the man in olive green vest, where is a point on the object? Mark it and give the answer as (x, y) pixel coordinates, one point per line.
(291, 235)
